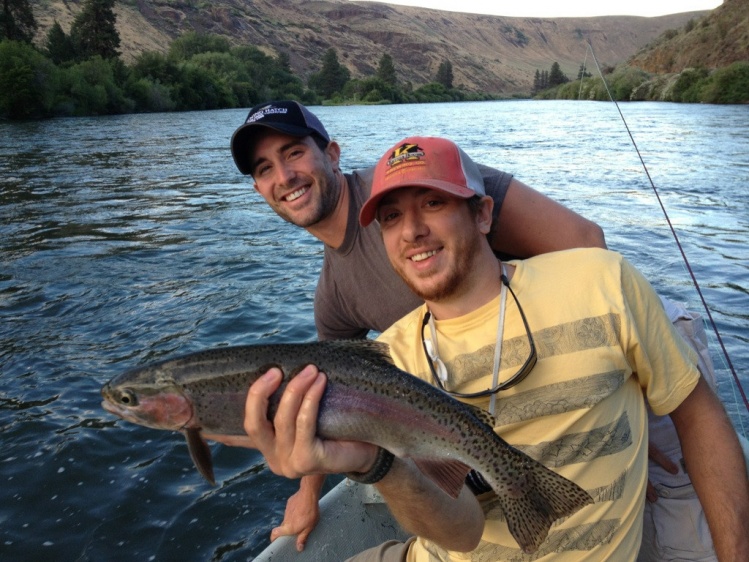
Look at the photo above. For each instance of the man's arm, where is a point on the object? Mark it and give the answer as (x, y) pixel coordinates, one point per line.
(302, 511)
(715, 464)
(529, 224)
(424, 510)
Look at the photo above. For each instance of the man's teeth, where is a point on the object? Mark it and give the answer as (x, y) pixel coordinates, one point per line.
(296, 194)
(424, 255)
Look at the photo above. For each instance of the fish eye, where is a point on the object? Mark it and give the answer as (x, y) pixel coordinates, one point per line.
(128, 398)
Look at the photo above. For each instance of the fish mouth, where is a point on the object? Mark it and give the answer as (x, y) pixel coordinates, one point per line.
(117, 409)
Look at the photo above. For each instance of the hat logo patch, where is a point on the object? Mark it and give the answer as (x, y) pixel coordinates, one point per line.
(404, 153)
(265, 111)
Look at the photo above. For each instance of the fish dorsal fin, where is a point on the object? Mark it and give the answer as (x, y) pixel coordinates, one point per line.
(200, 453)
(483, 415)
(371, 350)
(448, 475)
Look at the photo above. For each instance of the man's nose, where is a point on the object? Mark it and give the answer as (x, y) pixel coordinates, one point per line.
(414, 226)
(285, 174)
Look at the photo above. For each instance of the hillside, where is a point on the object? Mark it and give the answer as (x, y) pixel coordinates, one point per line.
(492, 54)
(715, 40)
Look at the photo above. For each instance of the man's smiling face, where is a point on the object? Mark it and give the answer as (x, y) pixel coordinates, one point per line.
(431, 238)
(295, 177)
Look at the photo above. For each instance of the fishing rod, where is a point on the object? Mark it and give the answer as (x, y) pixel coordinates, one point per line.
(668, 220)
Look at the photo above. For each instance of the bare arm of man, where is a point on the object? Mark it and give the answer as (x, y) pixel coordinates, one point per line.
(426, 511)
(302, 511)
(715, 463)
(530, 224)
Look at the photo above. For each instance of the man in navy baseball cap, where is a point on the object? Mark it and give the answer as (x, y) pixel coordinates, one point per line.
(286, 116)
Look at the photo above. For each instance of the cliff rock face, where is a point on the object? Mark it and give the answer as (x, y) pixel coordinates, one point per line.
(714, 40)
(488, 53)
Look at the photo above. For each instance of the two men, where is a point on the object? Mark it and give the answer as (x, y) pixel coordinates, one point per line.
(296, 168)
(601, 342)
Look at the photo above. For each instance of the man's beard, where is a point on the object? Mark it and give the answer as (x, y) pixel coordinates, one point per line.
(449, 285)
(324, 207)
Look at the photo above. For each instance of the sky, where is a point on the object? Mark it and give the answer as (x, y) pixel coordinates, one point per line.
(565, 8)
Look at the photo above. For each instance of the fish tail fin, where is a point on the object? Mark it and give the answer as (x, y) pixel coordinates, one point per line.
(547, 497)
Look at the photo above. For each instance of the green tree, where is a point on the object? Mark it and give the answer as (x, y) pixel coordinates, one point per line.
(386, 70)
(540, 81)
(688, 85)
(445, 74)
(729, 84)
(375, 90)
(155, 67)
(556, 76)
(93, 31)
(27, 81)
(59, 47)
(149, 95)
(91, 87)
(17, 21)
(332, 77)
(536, 83)
(199, 88)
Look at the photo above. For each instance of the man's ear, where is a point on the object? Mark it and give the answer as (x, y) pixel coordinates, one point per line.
(333, 152)
(484, 216)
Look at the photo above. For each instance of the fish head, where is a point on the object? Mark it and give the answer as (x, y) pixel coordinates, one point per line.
(159, 404)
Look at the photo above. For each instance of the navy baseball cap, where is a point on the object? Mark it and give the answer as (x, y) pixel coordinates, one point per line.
(289, 117)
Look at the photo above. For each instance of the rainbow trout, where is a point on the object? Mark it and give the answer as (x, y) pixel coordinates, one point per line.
(366, 399)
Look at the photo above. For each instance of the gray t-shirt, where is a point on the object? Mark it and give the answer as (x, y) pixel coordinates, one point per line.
(358, 290)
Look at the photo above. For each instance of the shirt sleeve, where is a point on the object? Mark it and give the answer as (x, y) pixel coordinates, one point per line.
(496, 184)
(663, 362)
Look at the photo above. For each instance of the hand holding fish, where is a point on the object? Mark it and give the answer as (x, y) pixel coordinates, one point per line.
(302, 512)
(289, 442)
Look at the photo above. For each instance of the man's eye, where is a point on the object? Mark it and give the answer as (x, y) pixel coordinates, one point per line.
(387, 217)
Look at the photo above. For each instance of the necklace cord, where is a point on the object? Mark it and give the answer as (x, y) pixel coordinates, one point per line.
(670, 225)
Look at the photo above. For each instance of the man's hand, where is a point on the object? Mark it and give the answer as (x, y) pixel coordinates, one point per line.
(657, 456)
(302, 512)
(289, 442)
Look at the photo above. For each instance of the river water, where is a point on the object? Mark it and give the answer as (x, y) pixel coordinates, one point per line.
(131, 238)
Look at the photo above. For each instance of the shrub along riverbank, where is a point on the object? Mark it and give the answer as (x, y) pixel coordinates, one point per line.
(199, 72)
(726, 85)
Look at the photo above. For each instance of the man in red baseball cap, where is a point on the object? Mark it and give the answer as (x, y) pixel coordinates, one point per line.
(576, 349)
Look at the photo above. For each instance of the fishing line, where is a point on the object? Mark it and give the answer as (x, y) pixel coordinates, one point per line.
(670, 225)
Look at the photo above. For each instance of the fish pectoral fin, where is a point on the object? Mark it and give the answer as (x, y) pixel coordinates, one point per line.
(200, 454)
(449, 475)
